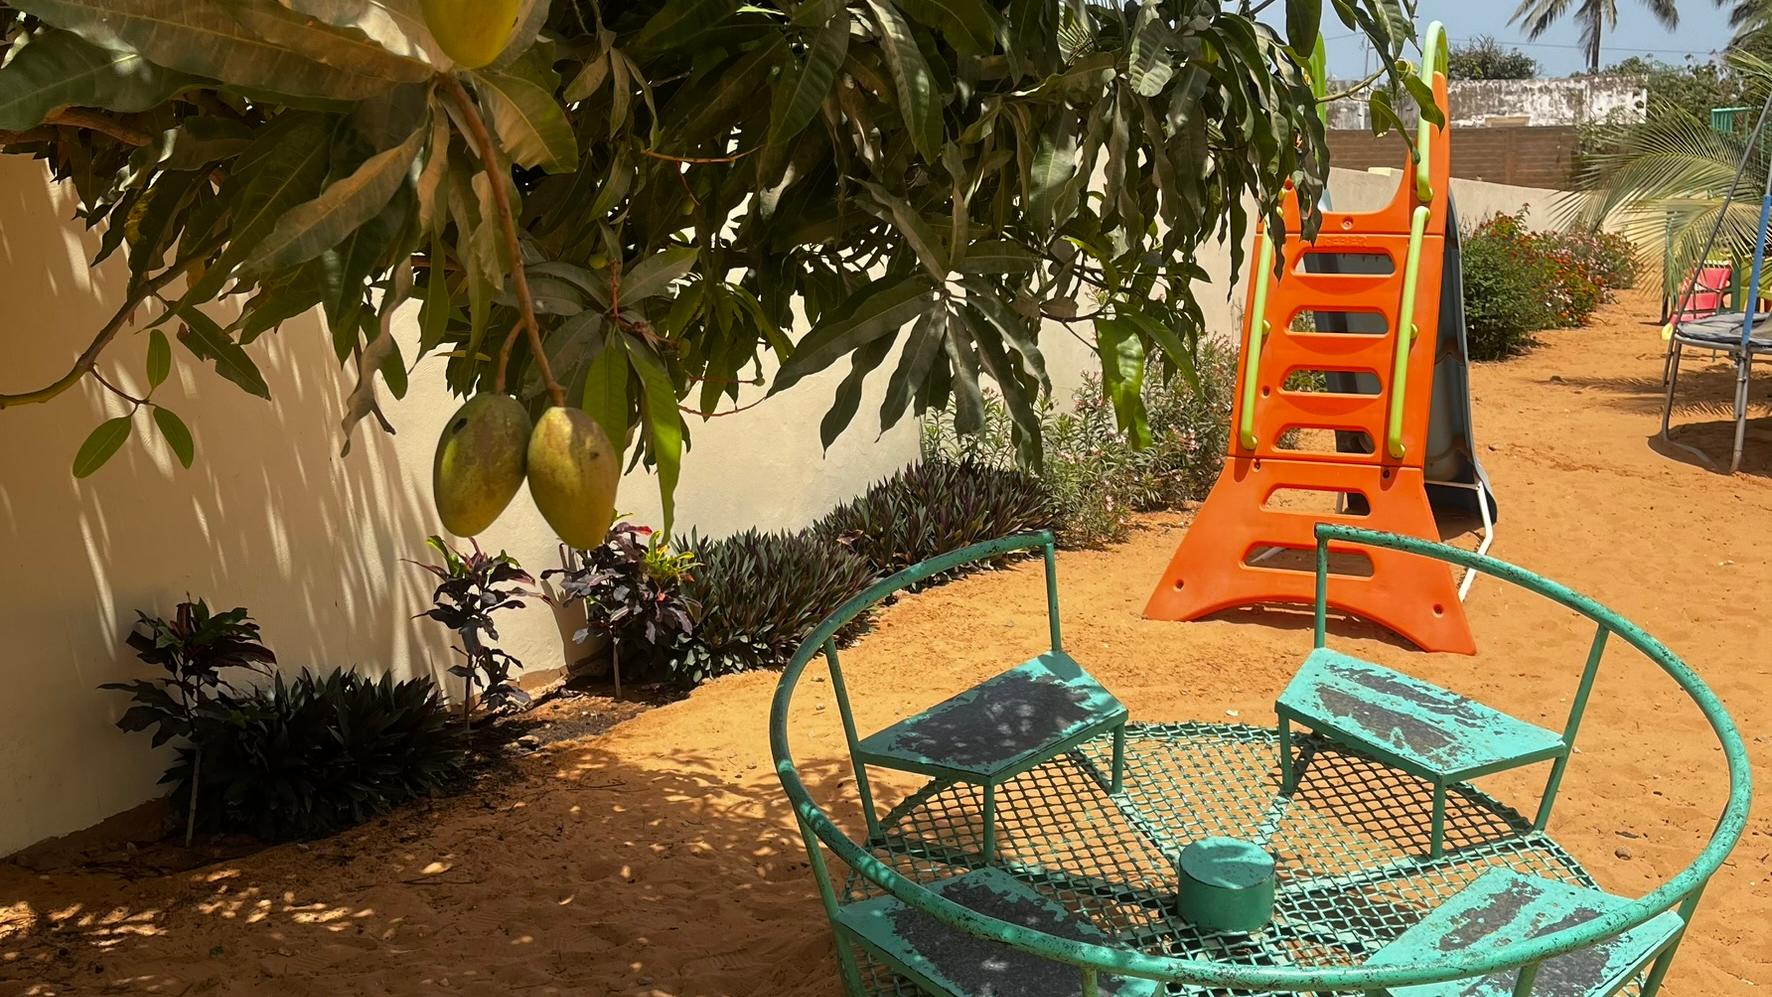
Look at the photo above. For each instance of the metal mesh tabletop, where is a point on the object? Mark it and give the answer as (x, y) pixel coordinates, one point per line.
(1349, 844)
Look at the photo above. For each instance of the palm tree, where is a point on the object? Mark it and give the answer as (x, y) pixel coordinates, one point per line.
(1595, 16)
(1673, 177)
(1750, 19)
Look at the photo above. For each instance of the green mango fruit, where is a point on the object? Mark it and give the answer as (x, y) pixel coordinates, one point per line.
(573, 473)
(472, 32)
(479, 462)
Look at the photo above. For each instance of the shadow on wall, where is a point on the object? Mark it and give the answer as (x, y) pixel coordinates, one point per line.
(269, 517)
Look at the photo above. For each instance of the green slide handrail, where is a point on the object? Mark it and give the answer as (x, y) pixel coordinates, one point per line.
(1406, 333)
(1258, 332)
(821, 833)
(1434, 58)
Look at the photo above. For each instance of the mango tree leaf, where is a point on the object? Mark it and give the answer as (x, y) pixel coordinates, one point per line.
(870, 313)
(159, 358)
(200, 140)
(396, 25)
(605, 396)
(307, 230)
(177, 434)
(970, 26)
(259, 46)
(656, 273)
(530, 18)
(915, 230)
(664, 425)
(1049, 172)
(204, 338)
(968, 398)
(1181, 356)
(532, 127)
(101, 445)
(1304, 22)
(1122, 376)
(918, 102)
(434, 313)
(913, 366)
(1149, 66)
(982, 297)
(861, 363)
(797, 100)
(1023, 415)
(997, 256)
(57, 69)
(283, 167)
(678, 21)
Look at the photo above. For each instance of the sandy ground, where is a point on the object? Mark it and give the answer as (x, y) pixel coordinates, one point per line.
(659, 858)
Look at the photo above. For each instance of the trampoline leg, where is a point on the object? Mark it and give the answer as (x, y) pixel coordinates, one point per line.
(1437, 843)
(1744, 370)
(1119, 759)
(1287, 783)
(1673, 380)
(989, 848)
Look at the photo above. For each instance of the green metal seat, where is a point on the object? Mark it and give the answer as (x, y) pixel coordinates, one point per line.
(942, 959)
(1418, 727)
(1502, 908)
(1001, 728)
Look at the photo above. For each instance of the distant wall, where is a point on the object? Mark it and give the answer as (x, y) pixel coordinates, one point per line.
(1571, 101)
(1521, 156)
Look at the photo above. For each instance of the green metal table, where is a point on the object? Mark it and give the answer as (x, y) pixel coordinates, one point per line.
(1392, 875)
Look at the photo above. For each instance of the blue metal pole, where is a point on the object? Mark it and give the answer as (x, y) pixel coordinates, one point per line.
(1753, 279)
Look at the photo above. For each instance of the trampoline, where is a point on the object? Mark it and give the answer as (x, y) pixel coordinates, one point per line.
(1065, 869)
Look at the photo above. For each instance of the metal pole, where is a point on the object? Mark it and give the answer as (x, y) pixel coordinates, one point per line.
(841, 690)
(1052, 595)
(1594, 654)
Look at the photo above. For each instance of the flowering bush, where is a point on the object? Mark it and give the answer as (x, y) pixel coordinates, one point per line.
(1517, 281)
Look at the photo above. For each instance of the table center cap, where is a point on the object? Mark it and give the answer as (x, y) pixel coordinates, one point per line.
(1225, 885)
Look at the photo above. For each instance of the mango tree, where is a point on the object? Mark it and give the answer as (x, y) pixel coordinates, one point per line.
(619, 211)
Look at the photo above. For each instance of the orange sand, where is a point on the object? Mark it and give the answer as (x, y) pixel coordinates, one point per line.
(659, 859)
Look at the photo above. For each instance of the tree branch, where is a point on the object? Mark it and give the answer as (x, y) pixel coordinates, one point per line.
(501, 202)
(89, 357)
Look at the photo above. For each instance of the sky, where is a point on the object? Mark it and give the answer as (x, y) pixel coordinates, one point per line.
(1703, 29)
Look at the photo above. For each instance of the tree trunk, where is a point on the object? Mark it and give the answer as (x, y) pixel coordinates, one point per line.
(191, 809)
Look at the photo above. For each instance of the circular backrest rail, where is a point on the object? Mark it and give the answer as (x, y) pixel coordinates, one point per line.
(818, 827)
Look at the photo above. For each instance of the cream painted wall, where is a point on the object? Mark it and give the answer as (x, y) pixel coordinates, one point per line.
(270, 517)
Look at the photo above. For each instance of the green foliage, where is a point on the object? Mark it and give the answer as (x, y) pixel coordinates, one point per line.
(1517, 281)
(935, 506)
(311, 756)
(628, 585)
(1095, 474)
(1672, 178)
(754, 597)
(1505, 288)
(473, 585)
(678, 182)
(1484, 58)
(192, 649)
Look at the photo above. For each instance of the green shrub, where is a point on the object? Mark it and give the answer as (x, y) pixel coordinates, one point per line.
(310, 756)
(754, 597)
(1507, 285)
(1095, 478)
(935, 506)
(1517, 281)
